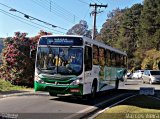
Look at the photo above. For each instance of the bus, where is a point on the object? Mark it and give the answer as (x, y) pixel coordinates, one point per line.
(77, 65)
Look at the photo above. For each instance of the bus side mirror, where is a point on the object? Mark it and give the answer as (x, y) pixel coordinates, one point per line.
(32, 51)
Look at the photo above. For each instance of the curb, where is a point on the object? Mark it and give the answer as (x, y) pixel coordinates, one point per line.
(92, 109)
(24, 94)
(101, 111)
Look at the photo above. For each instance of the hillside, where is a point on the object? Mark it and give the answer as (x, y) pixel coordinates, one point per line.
(135, 30)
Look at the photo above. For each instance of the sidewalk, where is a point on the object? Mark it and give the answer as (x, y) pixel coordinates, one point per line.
(21, 93)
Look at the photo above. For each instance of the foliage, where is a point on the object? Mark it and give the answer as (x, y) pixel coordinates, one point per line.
(128, 35)
(150, 25)
(7, 86)
(80, 29)
(135, 30)
(110, 29)
(151, 60)
(18, 66)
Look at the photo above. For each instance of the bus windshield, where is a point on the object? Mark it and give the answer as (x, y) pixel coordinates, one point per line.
(55, 60)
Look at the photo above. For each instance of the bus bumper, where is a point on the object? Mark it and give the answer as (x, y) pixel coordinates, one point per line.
(59, 89)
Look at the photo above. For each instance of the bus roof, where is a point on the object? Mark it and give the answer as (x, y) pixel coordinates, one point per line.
(89, 40)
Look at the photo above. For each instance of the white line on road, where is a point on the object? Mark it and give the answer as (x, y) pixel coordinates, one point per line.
(92, 107)
(92, 117)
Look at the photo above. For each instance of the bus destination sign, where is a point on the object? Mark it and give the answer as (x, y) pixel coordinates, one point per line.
(61, 41)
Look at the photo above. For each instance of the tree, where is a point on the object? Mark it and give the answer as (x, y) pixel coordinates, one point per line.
(150, 25)
(109, 33)
(80, 29)
(128, 31)
(18, 66)
(151, 60)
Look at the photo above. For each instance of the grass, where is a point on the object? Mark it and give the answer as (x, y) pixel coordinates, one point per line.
(7, 86)
(140, 107)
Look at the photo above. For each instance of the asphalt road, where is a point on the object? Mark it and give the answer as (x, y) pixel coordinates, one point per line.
(135, 84)
(44, 106)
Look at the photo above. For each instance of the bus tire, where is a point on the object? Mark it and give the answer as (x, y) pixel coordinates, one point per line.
(52, 94)
(93, 90)
(117, 84)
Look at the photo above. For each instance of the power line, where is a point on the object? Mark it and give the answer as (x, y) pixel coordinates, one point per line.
(92, 1)
(86, 13)
(68, 19)
(28, 17)
(15, 17)
(60, 14)
(83, 2)
(18, 18)
(53, 10)
(99, 1)
(62, 9)
(5, 5)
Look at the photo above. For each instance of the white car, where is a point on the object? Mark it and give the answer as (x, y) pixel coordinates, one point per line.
(138, 74)
(151, 76)
(128, 75)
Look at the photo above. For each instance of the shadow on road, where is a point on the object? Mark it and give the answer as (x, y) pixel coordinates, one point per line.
(99, 97)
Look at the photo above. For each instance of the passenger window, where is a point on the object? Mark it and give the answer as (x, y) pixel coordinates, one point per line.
(108, 58)
(88, 58)
(124, 61)
(117, 60)
(121, 61)
(101, 56)
(95, 55)
(113, 59)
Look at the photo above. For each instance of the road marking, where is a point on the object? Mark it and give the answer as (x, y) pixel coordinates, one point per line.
(92, 117)
(91, 107)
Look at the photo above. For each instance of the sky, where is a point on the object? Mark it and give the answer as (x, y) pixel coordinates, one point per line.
(62, 13)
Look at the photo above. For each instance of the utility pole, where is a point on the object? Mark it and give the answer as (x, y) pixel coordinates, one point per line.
(94, 13)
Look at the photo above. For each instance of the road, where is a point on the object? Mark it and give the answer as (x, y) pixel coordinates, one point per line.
(135, 84)
(63, 107)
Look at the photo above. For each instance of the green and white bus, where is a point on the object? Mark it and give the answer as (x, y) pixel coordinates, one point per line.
(77, 65)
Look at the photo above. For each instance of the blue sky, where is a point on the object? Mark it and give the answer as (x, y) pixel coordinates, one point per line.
(62, 13)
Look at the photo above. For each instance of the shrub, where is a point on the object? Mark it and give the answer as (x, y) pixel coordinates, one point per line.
(17, 66)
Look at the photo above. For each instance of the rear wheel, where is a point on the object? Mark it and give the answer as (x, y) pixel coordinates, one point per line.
(117, 84)
(93, 90)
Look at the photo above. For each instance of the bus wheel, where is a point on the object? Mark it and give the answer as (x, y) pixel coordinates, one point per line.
(93, 90)
(117, 84)
(52, 94)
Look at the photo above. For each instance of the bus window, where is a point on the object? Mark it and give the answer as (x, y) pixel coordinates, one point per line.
(102, 56)
(113, 59)
(117, 60)
(125, 61)
(88, 58)
(108, 58)
(121, 60)
(95, 55)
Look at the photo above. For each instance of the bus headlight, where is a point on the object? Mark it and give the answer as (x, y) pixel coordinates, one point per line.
(39, 80)
(77, 81)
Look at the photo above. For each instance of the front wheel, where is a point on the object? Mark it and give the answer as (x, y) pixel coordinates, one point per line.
(52, 94)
